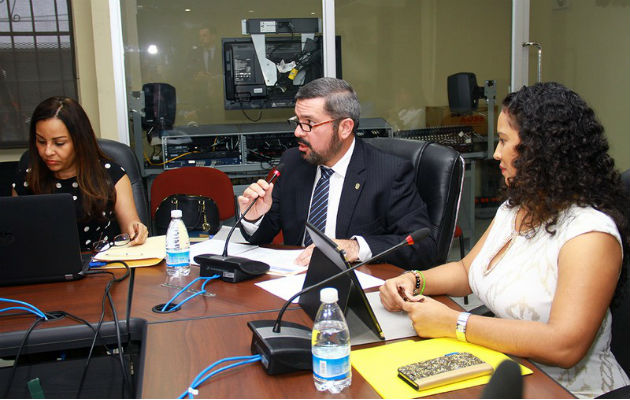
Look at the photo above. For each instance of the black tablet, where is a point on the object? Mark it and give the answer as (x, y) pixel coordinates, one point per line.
(327, 260)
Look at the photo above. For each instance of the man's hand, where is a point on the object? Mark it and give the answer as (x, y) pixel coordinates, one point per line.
(349, 246)
(260, 192)
(305, 257)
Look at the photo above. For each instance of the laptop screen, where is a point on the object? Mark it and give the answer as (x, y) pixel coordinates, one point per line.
(39, 241)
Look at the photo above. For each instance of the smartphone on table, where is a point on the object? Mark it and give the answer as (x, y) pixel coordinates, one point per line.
(449, 368)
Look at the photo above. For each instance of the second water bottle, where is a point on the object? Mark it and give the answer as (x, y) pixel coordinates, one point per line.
(177, 246)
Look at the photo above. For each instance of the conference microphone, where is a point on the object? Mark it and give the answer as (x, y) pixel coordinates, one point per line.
(505, 383)
(231, 268)
(290, 349)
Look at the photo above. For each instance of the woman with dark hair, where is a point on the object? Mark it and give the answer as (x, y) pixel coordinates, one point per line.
(65, 158)
(549, 263)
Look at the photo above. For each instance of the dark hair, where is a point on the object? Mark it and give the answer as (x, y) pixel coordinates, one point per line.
(562, 159)
(96, 188)
(341, 99)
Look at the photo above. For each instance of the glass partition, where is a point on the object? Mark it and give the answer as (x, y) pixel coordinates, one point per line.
(397, 54)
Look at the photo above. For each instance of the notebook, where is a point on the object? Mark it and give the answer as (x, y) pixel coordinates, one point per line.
(39, 240)
(326, 261)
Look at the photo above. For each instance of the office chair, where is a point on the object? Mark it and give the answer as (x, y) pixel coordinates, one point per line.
(203, 181)
(439, 177)
(122, 155)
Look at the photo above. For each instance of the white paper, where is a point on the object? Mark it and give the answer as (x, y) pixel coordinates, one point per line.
(215, 246)
(281, 262)
(237, 237)
(395, 325)
(290, 285)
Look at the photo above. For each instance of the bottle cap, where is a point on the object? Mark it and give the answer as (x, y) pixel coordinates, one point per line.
(328, 295)
(176, 213)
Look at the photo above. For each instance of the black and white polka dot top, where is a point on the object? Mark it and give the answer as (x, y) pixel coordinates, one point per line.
(92, 229)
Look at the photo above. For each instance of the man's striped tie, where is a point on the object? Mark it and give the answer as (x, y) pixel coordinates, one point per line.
(319, 204)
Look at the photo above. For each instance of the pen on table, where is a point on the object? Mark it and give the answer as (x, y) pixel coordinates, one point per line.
(402, 294)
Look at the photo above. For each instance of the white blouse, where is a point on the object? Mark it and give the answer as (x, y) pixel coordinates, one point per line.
(522, 285)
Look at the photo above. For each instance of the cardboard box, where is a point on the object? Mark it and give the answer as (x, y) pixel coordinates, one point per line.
(442, 116)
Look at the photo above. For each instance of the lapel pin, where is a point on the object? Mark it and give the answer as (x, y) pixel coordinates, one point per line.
(357, 186)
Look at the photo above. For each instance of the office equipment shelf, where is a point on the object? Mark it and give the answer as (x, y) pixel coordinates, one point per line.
(243, 151)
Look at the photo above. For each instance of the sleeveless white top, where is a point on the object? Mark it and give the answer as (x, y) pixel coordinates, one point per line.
(522, 285)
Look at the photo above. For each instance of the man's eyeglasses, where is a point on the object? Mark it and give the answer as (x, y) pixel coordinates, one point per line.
(119, 240)
(294, 122)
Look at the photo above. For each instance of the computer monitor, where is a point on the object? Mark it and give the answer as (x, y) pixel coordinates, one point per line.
(245, 86)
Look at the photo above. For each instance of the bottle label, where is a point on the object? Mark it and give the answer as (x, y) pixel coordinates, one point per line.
(175, 259)
(331, 368)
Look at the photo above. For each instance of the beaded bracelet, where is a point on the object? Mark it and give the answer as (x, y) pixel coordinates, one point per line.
(419, 277)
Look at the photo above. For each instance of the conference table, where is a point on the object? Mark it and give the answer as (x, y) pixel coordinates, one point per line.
(179, 345)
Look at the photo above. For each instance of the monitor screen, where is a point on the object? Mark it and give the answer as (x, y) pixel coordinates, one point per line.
(245, 86)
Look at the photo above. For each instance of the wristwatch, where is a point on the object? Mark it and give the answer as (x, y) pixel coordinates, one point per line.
(460, 329)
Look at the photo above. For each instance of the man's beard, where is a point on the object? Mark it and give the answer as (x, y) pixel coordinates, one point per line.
(316, 158)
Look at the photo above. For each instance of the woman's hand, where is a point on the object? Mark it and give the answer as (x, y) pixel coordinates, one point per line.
(138, 232)
(395, 291)
(430, 318)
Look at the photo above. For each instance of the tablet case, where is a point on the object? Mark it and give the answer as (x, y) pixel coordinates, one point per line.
(327, 260)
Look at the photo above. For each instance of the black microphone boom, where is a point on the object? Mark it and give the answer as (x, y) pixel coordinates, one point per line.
(231, 268)
(291, 350)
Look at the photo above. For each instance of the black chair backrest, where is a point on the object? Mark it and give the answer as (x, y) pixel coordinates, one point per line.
(620, 307)
(121, 154)
(439, 176)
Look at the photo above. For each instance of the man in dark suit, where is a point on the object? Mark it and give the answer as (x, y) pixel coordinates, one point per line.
(370, 202)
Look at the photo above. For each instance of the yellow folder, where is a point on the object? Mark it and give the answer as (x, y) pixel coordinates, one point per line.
(379, 365)
(149, 253)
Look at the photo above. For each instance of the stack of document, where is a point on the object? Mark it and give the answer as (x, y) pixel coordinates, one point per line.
(151, 252)
(281, 262)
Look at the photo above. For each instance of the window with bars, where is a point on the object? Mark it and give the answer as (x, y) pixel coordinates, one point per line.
(36, 62)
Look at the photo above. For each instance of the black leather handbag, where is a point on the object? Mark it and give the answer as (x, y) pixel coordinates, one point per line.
(199, 213)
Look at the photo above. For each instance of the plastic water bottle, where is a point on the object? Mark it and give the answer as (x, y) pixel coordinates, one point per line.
(331, 345)
(177, 246)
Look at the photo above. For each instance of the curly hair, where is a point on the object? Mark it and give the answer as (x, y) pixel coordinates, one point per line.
(562, 159)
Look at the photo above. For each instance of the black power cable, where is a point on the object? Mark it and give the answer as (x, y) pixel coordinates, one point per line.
(107, 296)
(17, 356)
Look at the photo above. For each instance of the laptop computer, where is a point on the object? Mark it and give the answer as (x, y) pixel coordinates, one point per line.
(39, 240)
(327, 260)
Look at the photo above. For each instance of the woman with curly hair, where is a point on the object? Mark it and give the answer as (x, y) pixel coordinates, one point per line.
(65, 158)
(549, 263)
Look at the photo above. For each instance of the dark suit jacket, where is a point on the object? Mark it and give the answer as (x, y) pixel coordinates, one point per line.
(379, 201)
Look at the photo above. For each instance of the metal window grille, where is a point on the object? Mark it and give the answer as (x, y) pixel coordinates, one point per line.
(36, 62)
